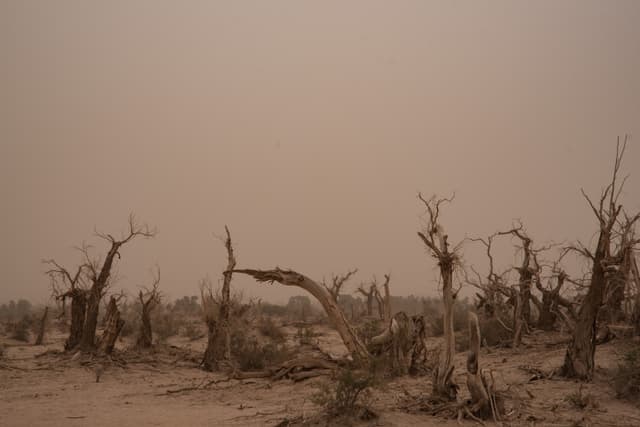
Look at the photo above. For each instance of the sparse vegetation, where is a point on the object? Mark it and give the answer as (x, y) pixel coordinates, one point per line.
(348, 396)
(21, 330)
(626, 378)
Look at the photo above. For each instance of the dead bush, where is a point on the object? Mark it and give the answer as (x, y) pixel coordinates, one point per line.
(348, 397)
(305, 335)
(21, 330)
(626, 378)
(369, 329)
(269, 329)
(251, 355)
(580, 400)
(494, 332)
(193, 332)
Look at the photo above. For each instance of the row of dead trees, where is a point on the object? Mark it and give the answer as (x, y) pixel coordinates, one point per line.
(612, 279)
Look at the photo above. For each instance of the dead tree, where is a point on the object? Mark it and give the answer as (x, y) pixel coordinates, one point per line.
(383, 301)
(483, 402)
(113, 326)
(218, 321)
(552, 300)
(493, 287)
(99, 277)
(436, 240)
(149, 299)
(579, 359)
(405, 341)
(337, 282)
(369, 295)
(66, 286)
(351, 340)
(43, 326)
(635, 277)
(522, 295)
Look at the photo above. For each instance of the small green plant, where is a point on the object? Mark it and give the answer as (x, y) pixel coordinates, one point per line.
(349, 396)
(626, 379)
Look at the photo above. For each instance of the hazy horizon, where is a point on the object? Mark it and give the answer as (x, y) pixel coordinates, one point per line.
(308, 129)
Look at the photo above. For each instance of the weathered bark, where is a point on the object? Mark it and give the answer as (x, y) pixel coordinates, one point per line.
(518, 318)
(579, 359)
(443, 385)
(148, 301)
(78, 313)
(43, 326)
(113, 326)
(145, 336)
(219, 334)
(355, 347)
(635, 274)
(481, 398)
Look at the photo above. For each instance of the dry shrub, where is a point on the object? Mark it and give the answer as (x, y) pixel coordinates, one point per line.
(269, 329)
(305, 335)
(495, 334)
(369, 329)
(580, 400)
(626, 378)
(21, 330)
(251, 355)
(348, 397)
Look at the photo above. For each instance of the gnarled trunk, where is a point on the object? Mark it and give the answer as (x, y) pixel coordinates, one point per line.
(78, 314)
(112, 329)
(579, 359)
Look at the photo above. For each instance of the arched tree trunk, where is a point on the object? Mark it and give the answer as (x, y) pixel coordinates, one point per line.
(355, 347)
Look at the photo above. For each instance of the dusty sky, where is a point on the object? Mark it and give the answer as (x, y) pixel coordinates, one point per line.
(307, 127)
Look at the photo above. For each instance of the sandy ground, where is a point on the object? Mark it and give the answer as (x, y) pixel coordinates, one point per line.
(54, 389)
